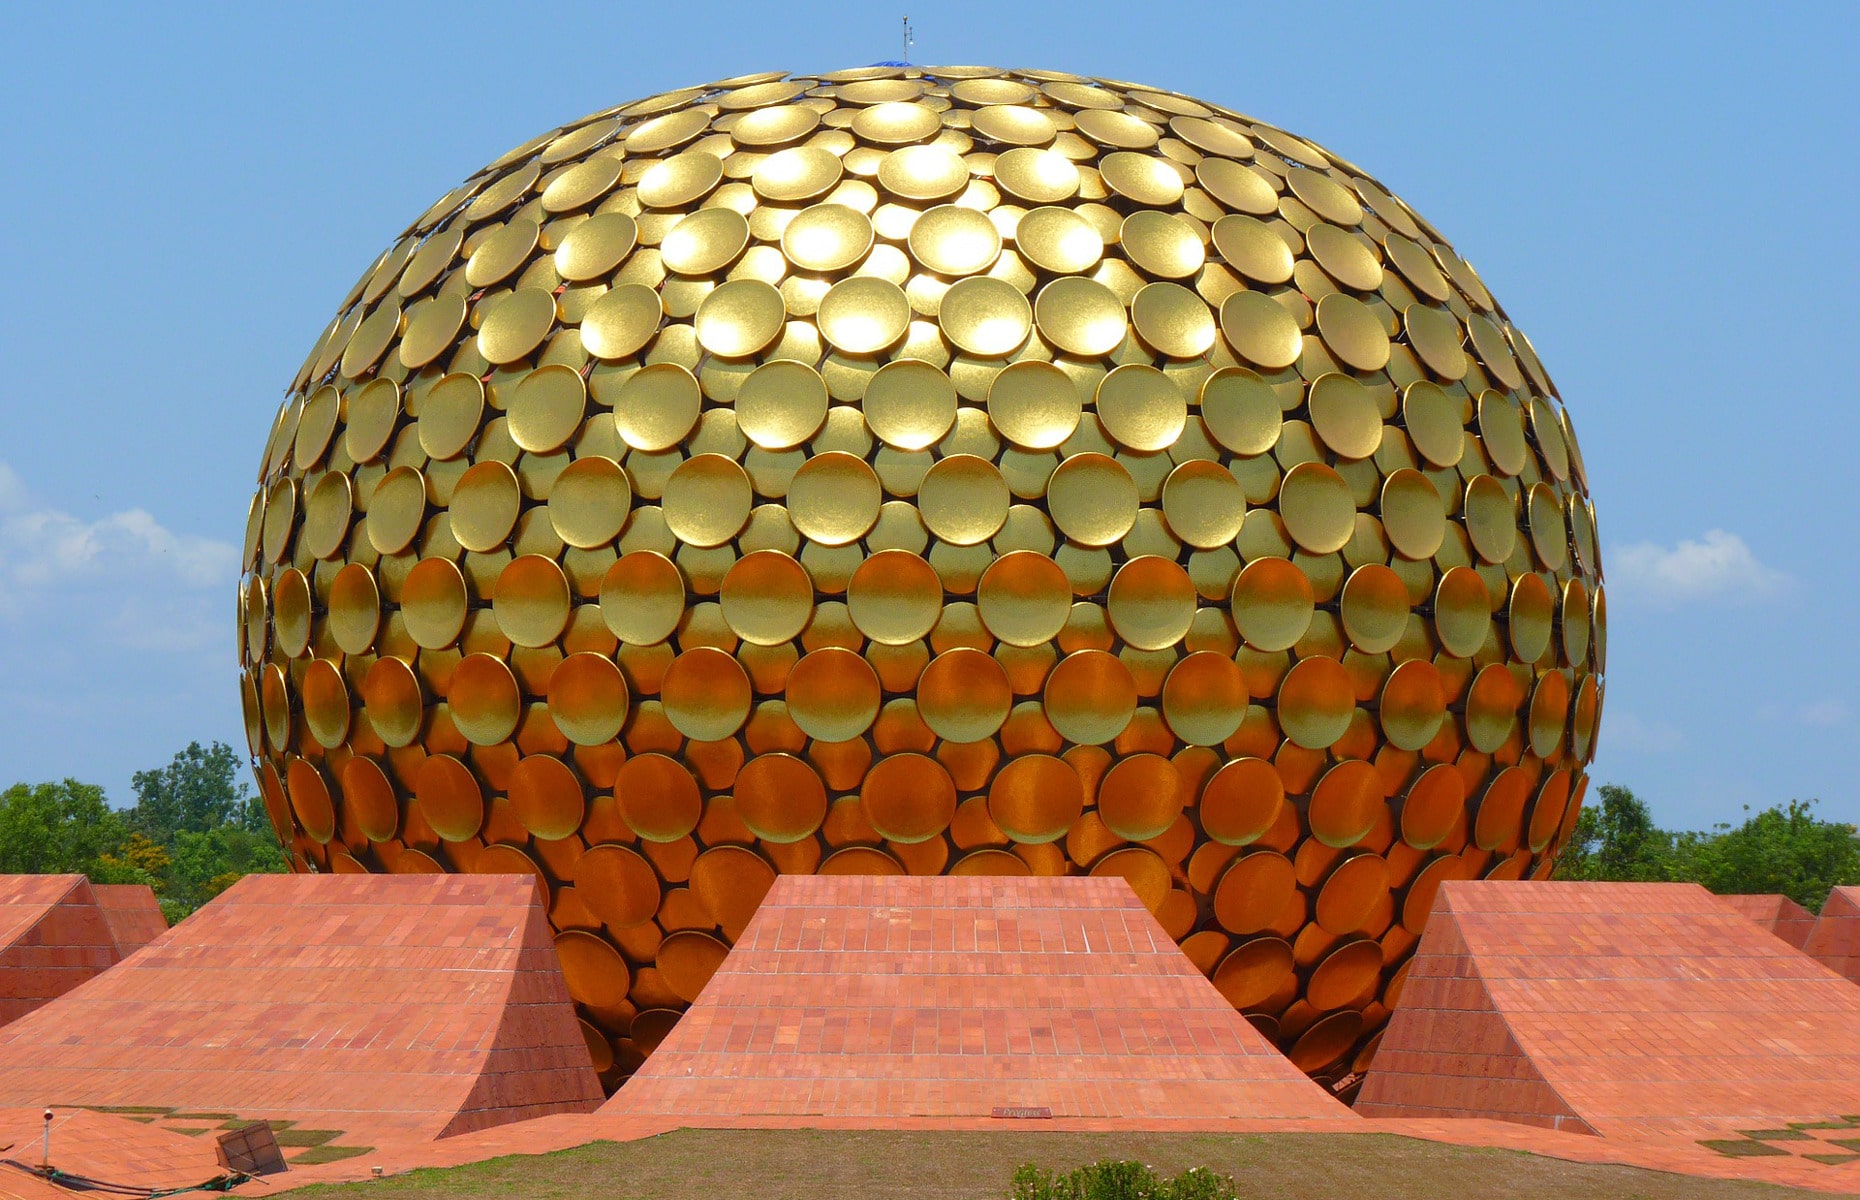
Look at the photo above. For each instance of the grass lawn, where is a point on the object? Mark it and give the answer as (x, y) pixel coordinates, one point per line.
(700, 1164)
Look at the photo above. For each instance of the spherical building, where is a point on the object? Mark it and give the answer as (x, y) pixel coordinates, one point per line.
(931, 470)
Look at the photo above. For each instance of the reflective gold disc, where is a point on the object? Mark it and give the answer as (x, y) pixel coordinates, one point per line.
(589, 502)
(596, 246)
(657, 406)
(705, 242)
(1346, 802)
(1344, 415)
(923, 173)
(730, 882)
(1435, 336)
(658, 798)
(1315, 702)
(908, 798)
(546, 797)
(1345, 258)
(501, 253)
(1492, 707)
(908, 403)
(1352, 893)
(618, 885)
(963, 499)
(1058, 240)
(707, 500)
(677, 181)
(1158, 244)
(326, 703)
(780, 798)
(593, 970)
(485, 503)
(1315, 502)
(373, 413)
(767, 598)
(290, 611)
(1241, 410)
(863, 315)
(833, 694)
(1413, 705)
(895, 597)
(687, 959)
(1435, 803)
(621, 322)
(953, 240)
(433, 603)
(1502, 430)
(1090, 697)
(986, 317)
(800, 173)
(1433, 422)
(1037, 176)
(517, 325)
(1141, 408)
(1254, 971)
(1412, 514)
(1023, 598)
(1241, 801)
(1173, 320)
(1014, 124)
(354, 611)
(827, 237)
(547, 409)
(1080, 316)
(1151, 602)
(781, 404)
(1092, 499)
(1491, 518)
(531, 600)
(963, 695)
(450, 415)
(1532, 617)
(1036, 798)
(588, 699)
(1345, 974)
(391, 697)
(1353, 332)
(1204, 698)
(370, 799)
(1237, 186)
(1143, 869)
(1253, 891)
(1462, 612)
(485, 700)
(1141, 178)
(775, 126)
(1260, 331)
(1374, 608)
(1203, 503)
(706, 694)
(740, 318)
(449, 797)
(642, 598)
(834, 498)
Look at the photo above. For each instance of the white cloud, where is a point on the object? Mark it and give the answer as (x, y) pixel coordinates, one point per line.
(1629, 731)
(142, 585)
(1825, 713)
(1718, 564)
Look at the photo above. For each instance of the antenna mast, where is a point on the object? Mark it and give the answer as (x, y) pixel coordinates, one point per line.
(909, 41)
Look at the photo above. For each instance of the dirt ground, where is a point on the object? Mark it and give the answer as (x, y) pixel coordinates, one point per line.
(698, 1164)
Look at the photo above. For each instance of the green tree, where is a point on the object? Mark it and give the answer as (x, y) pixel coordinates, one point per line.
(1785, 849)
(201, 789)
(54, 828)
(1617, 840)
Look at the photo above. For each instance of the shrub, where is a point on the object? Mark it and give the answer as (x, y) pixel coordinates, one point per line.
(1112, 1179)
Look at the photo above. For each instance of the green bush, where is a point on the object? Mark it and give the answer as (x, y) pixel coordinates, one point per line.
(1112, 1179)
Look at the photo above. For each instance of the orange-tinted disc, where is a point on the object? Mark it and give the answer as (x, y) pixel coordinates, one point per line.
(706, 694)
(908, 797)
(1090, 697)
(658, 798)
(833, 694)
(780, 798)
(1346, 803)
(1204, 698)
(450, 799)
(1254, 891)
(1241, 801)
(1140, 797)
(1253, 971)
(1316, 701)
(618, 885)
(1035, 798)
(963, 696)
(547, 797)
(730, 882)
(484, 699)
(594, 971)
(588, 698)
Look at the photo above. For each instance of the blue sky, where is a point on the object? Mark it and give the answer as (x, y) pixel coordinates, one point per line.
(1660, 195)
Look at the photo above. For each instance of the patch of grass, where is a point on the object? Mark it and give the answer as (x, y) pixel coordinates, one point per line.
(1832, 1160)
(327, 1154)
(201, 1116)
(1742, 1148)
(195, 1131)
(1114, 1179)
(1845, 1143)
(1777, 1135)
(157, 1109)
(305, 1137)
(814, 1164)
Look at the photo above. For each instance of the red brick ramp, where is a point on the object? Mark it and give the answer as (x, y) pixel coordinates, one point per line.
(53, 937)
(389, 1007)
(132, 913)
(1614, 1008)
(108, 1149)
(890, 998)
(1776, 913)
(1835, 940)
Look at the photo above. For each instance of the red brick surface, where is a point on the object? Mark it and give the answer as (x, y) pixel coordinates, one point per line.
(53, 937)
(132, 913)
(884, 998)
(100, 1146)
(399, 1006)
(1835, 940)
(1621, 1009)
(1776, 913)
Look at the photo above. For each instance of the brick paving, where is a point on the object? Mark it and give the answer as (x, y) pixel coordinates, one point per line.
(1776, 913)
(879, 998)
(53, 937)
(132, 913)
(1835, 940)
(407, 1007)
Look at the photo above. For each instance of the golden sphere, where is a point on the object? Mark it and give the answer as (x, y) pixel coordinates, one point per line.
(929, 470)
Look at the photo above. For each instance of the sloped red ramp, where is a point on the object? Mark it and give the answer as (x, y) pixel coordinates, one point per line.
(1613, 1008)
(397, 1006)
(53, 937)
(132, 913)
(1835, 940)
(886, 998)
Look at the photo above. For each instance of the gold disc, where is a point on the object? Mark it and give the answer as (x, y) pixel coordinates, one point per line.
(1143, 869)
(450, 416)
(547, 409)
(908, 798)
(1252, 248)
(1315, 502)
(1093, 499)
(984, 316)
(923, 173)
(370, 799)
(433, 603)
(705, 242)
(1412, 514)
(707, 500)
(546, 797)
(621, 322)
(392, 699)
(1241, 410)
(827, 237)
(1344, 415)
(895, 597)
(1353, 332)
(1237, 186)
(354, 609)
(589, 502)
(1140, 797)
(485, 504)
(1080, 316)
(1141, 178)
(588, 698)
(450, 800)
(953, 240)
(1173, 320)
(1036, 798)
(1253, 891)
(1059, 241)
(1240, 802)
(1413, 705)
(706, 694)
(517, 325)
(963, 500)
(833, 694)
(1204, 698)
(657, 407)
(1436, 338)
(767, 598)
(642, 598)
(1024, 598)
(531, 600)
(1141, 408)
(373, 414)
(1037, 176)
(1203, 503)
(963, 695)
(740, 318)
(780, 798)
(834, 498)
(908, 403)
(658, 798)
(484, 699)
(596, 246)
(1260, 331)
(1374, 608)
(1151, 602)
(677, 181)
(1435, 803)
(1346, 803)
(1090, 697)
(798, 173)
(618, 885)
(1161, 245)
(863, 314)
(1316, 701)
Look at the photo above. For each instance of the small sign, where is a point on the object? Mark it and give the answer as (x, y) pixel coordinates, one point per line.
(1022, 1114)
